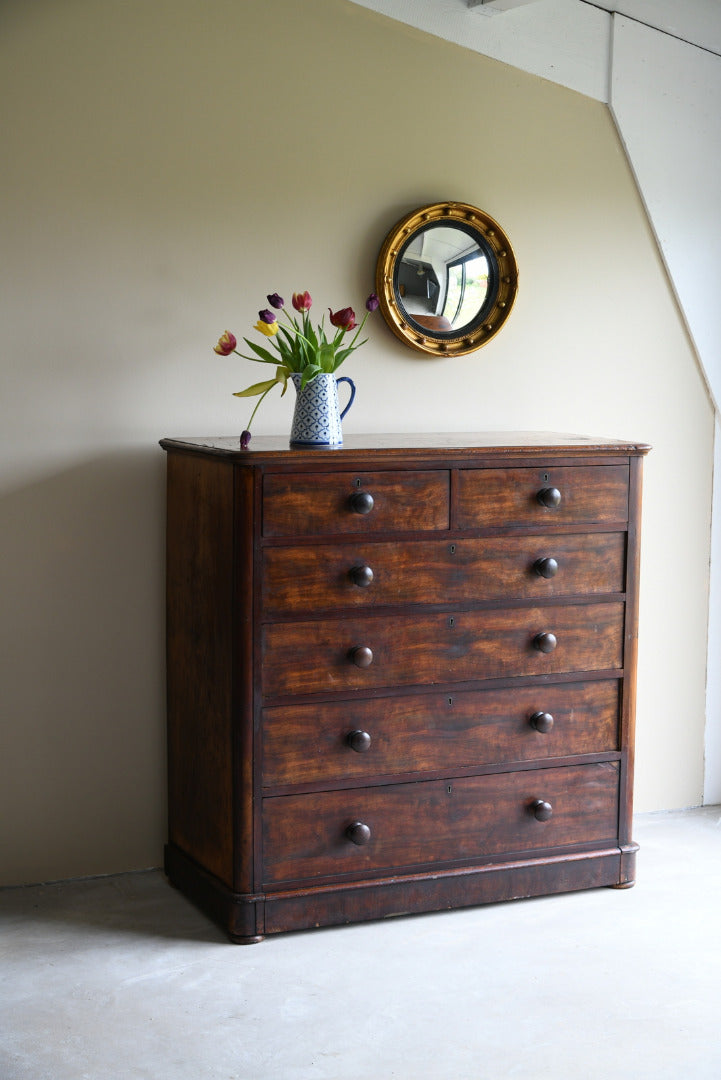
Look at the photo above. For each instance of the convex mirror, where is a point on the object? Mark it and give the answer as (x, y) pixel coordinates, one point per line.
(446, 279)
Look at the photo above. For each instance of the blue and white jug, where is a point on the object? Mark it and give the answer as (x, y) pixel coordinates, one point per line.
(317, 416)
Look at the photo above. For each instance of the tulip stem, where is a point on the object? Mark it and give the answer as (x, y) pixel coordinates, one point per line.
(257, 405)
(357, 333)
(296, 329)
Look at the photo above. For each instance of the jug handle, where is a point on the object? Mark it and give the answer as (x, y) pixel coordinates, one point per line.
(344, 378)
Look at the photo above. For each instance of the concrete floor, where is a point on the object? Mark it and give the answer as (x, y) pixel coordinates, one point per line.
(120, 978)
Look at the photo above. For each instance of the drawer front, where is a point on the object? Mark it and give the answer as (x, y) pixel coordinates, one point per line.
(370, 574)
(323, 655)
(493, 498)
(328, 504)
(436, 821)
(417, 733)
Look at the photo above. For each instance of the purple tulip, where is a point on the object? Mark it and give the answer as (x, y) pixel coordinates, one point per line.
(266, 316)
(244, 440)
(372, 302)
(274, 300)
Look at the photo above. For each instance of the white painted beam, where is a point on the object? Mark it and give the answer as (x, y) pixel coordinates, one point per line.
(492, 7)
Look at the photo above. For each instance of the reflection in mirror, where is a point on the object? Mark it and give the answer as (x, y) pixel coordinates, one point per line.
(446, 278)
(443, 277)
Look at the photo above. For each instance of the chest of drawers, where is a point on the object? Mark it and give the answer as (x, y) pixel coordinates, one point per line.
(400, 673)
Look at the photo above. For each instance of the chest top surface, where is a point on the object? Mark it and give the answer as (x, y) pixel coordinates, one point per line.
(404, 447)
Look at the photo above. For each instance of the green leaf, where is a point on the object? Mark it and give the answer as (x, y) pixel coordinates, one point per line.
(281, 377)
(309, 373)
(257, 388)
(263, 354)
(310, 334)
(326, 358)
(290, 338)
(345, 353)
(291, 350)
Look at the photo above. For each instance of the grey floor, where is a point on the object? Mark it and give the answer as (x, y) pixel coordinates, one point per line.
(118, 978)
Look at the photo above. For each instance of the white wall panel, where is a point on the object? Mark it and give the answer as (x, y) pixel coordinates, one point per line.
(712, 758)
(665, 98)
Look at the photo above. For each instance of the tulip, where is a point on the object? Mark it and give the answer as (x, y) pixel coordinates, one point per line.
(266, 316)
(372, 302)
(269, 329)
(344, 319)
(302, 301)
(226, 344)
(274, 300)
(244, 440)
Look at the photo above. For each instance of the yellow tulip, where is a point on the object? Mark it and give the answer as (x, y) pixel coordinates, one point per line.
(269, 329)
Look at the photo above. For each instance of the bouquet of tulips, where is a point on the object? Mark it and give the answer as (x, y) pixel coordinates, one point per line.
(301, 348)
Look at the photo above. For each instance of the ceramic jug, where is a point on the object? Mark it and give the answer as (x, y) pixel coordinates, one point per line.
(317, 416)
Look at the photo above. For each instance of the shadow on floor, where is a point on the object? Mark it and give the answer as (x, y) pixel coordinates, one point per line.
(141, 904)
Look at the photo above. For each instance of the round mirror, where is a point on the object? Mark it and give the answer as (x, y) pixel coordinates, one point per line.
(446, 279)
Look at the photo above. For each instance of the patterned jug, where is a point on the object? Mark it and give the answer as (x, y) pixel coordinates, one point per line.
(317, 416)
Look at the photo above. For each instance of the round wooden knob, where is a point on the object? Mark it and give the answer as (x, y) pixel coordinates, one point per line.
(361, 502)
(360, 741)
(547, 568)
(358, 833)
(542, 721)
(362, 656)
(545, 643)
(541, 809)
(361, 576)
(550, 497)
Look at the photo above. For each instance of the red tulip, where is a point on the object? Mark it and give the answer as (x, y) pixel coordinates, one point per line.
(226, 344)
(302, 301)
(343, 319)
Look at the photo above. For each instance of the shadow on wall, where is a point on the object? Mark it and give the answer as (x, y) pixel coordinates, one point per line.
(81, 633)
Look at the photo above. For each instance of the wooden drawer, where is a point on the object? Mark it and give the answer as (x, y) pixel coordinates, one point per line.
(595, 494)
(328, 576)
(327, 504)
(417, 733)
(321, 655)
(438, 821)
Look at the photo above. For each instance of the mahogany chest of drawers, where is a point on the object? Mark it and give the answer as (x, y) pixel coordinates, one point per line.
(400, 673)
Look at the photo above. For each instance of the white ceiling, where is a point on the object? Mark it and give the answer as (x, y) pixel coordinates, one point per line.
(566, 41)
(695, 21)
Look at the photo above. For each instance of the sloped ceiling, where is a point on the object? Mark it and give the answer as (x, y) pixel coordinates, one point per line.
(697, 22)
(565, 41)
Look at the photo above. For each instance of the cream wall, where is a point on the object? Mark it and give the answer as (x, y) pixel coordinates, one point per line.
(168, 163)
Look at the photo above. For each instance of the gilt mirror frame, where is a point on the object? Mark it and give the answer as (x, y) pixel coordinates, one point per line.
(430, 331)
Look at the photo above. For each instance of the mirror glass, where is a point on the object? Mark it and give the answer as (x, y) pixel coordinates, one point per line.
(446, 278)
(443, 278)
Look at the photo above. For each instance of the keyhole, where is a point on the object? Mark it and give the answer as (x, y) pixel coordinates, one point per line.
(450, 789)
